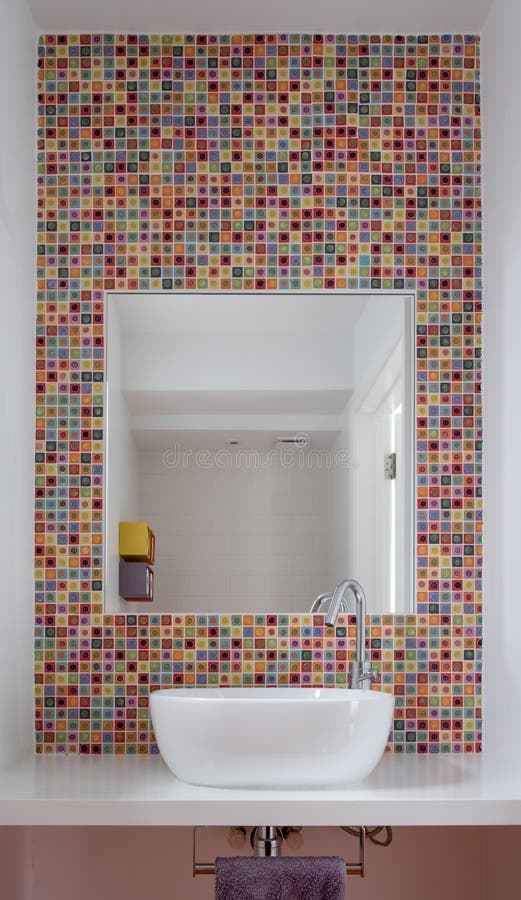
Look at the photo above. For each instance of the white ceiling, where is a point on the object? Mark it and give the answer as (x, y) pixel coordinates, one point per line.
(246, 16)
(261, 312)
(168, 403)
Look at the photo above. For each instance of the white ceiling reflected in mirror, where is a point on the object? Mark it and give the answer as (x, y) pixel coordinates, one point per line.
(266, 440)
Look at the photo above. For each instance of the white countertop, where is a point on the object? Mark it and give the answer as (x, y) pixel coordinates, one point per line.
(411, 790)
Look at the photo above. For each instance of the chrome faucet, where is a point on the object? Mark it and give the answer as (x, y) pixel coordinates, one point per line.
(360, 670)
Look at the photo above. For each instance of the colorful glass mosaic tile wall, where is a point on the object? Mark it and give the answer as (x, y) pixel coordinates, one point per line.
(255, 162)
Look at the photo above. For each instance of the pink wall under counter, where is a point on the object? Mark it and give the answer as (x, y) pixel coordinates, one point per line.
(56, 863)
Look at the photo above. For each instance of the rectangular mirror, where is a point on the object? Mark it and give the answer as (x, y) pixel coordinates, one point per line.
(266, 440)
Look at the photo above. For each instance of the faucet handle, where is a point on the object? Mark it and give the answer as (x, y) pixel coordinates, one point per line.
(361, 673)
(315, 606)
(370, 675)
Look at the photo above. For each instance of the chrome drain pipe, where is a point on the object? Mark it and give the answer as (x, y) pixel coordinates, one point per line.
(266, 840)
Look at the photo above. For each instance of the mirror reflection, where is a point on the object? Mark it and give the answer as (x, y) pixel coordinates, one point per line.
(258, 450)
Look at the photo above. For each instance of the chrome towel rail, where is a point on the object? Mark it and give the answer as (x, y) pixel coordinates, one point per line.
(355, 868)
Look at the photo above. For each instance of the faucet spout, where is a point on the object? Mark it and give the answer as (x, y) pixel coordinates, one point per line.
(360, 670)
(338, 603)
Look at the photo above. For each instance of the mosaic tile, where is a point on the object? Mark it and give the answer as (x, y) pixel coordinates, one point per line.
(255, 163)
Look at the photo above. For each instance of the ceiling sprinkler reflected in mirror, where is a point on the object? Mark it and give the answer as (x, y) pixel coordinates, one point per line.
(296, 441)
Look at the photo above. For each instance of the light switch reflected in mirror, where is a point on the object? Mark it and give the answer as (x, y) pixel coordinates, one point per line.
(267, 442)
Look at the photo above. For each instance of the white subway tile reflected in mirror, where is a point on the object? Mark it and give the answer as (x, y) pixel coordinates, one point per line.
(251, 433)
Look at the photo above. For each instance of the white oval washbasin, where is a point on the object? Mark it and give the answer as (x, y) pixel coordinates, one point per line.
(271, 737)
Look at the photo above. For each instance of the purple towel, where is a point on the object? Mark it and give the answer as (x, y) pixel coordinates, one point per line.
(286, 878)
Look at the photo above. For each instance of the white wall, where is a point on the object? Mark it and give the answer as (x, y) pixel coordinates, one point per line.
(502, 330)
(237, 538)
(121, 468)
(17, 260)
(238, 17)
